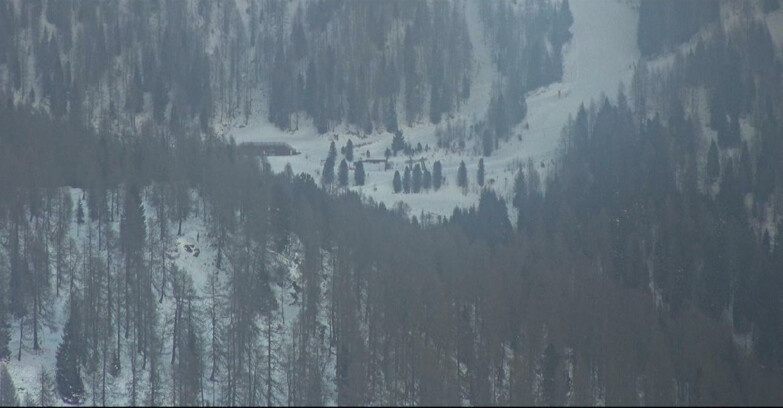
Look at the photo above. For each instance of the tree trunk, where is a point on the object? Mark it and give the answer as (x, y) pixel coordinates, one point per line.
(21, 331)
(127, 289)
(119, 320)
(57, 265)
(269, 360)
(177, 312)
(133, 376)
(103, 371)
(36, 347)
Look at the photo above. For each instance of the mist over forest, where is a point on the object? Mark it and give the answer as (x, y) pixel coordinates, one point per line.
(503, 202)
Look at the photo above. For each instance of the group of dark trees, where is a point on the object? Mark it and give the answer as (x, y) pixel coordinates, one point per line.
(328, 176)
(476, 311)
(405, 61)
(418, 179)
(665, 24)
(527, 42)
(102, 64)
(133, 195)
(462, 175)
(664, 207)
(202, 63)
(738, 71)
(521, 35)
(625, 194)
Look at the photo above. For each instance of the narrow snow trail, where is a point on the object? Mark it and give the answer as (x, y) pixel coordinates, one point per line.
(600, 55)
(485, 73)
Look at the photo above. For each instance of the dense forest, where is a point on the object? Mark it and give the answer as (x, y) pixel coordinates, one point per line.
(643, 268)
(117, 65)
(465, 309)
(668, 23)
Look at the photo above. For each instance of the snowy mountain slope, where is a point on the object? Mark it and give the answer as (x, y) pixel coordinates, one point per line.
(25, 371)
(600, 56)
(194, 253)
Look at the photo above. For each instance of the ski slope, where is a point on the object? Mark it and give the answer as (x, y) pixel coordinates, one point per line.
(600, 55)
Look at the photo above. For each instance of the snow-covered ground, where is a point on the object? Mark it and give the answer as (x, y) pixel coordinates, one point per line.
(600, 55)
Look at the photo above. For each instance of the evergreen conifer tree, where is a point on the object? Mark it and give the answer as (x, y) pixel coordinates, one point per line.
(426, 180)
(80, 213)
(398, 142)
(390, 118)
(549, 383)
(358, 174)
(342, 175)
(416, 181)
(327, 176)
(437, 175)
(45, 389)
(8, 396)
(462, 177)
(349, 150)
(68, 376)
(480, 173)
(5, 334)
(397, 183)
(713, 163)
(406, 180)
